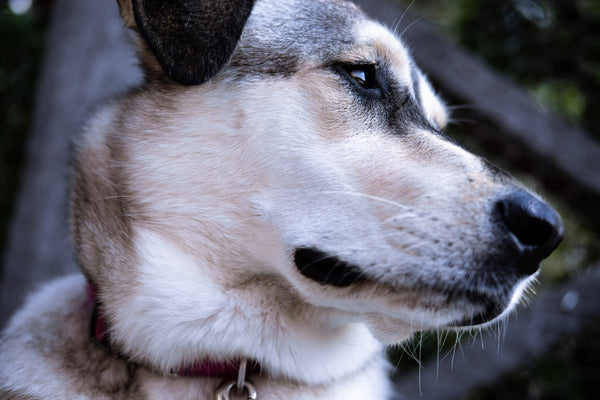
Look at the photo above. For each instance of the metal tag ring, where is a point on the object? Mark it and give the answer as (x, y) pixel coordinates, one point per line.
(224, 390)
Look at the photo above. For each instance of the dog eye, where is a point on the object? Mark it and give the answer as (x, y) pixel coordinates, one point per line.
(363, 75)
(359, 75)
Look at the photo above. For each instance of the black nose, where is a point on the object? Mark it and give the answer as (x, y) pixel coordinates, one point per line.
(534, 227)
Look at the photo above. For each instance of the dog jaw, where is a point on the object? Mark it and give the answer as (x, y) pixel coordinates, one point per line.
(179, 311)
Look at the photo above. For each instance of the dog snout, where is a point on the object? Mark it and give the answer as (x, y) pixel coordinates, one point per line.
(535, 229)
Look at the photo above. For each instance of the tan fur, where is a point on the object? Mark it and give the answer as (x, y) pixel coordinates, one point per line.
(190, 203)
(10, 395)
(127, 13)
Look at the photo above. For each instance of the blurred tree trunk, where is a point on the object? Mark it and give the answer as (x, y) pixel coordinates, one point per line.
(87, 59)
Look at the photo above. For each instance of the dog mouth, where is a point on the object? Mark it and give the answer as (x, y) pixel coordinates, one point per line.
(326, 269)
(489, 310)
(329, 270)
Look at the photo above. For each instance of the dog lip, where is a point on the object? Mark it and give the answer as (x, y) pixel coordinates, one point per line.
(492, 308)
(330, 270)
(326, 268)
(479, 319)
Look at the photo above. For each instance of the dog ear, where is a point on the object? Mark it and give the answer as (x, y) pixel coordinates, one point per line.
(190, 39)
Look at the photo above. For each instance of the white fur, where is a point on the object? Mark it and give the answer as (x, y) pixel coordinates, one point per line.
(199, 318)
(21, 360)
(219, 188)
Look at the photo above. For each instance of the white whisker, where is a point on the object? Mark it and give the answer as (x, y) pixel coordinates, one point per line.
(413, 23)
(399, 21)
(399, 216)
(368, 196)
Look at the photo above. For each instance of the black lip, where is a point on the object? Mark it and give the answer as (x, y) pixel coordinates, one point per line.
(491, 310)
(326, 269)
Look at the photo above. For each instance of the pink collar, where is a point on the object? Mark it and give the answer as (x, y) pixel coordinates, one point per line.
(98, 332)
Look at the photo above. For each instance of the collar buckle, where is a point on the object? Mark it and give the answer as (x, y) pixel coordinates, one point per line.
(240, 385)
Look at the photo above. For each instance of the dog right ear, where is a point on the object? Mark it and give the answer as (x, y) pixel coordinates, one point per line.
(190, 40)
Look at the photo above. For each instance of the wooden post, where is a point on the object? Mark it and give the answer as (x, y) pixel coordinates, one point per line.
(87, 59)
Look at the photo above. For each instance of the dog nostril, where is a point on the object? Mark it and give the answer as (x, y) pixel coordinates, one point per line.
(534, 224)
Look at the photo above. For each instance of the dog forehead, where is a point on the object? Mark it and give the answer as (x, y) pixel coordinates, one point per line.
(301, 26)
(282, 35)
(310, 18)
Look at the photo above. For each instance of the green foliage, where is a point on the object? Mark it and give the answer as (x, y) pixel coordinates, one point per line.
(551, 47)
(21, 43)
(561, 97)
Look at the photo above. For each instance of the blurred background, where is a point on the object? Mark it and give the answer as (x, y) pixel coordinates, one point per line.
(549, 49)
(22, 29)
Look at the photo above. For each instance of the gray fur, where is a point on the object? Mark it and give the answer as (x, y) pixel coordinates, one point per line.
(281, 35)
(188, 203)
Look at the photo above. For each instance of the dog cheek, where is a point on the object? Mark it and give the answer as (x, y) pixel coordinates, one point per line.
(388, 330)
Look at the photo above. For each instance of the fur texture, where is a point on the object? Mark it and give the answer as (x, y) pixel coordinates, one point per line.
(191, 204)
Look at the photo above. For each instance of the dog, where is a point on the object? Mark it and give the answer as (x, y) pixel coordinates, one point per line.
(273, 206)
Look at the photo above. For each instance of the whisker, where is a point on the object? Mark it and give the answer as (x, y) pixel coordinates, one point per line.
(463, 121)
(420, 363)
(437, 367)
(368, 196)
(462, 107)
(400, 216)
(413, 23)
(399, 21)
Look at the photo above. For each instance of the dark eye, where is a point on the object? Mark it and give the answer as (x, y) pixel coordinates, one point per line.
(359, 75)
(365, 79)
(364, 75)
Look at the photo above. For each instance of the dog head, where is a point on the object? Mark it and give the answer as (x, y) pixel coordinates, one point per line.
(289, 156)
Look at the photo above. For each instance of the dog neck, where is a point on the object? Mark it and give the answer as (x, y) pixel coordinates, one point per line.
(173, 313)
(209, 368)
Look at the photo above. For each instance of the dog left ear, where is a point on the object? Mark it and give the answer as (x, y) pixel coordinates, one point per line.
(191, 39)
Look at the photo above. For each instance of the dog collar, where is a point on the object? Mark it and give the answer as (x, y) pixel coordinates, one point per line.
(210, 368)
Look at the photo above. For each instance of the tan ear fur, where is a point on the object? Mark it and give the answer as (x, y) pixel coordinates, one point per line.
(127, 13)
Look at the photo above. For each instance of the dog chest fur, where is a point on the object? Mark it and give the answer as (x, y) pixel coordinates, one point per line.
(50, 334)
